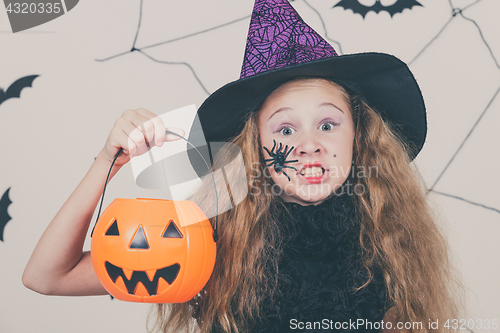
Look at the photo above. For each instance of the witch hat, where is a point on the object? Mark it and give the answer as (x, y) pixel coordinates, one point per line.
(281, 46)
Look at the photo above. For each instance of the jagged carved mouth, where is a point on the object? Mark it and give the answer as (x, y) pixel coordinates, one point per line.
(169, 274)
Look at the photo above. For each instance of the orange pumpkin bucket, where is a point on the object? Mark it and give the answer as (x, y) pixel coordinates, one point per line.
(153, 250)
(148, 250)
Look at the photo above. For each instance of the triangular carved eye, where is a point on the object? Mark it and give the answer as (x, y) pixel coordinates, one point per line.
(113, 230)
(172, 231)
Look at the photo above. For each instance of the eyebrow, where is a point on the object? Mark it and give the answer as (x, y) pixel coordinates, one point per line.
(289, 109)
(331, 104)
(279, 110)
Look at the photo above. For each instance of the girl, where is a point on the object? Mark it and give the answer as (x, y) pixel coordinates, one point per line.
(341, 234)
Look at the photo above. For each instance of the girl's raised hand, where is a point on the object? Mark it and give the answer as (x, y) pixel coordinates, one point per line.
(136, 131)
(58, 266)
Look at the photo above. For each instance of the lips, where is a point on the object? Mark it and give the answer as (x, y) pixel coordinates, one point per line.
(313, 172)
(169, 274)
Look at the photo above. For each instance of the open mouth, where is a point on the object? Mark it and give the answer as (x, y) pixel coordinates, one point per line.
(169, 274)
(313, 172)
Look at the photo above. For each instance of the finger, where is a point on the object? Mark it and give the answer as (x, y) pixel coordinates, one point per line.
(173, 137)
(144, 125)
(159, 131)
(132, 132)
(140, 122)
(154, 127)
(146, 113)
(120, 139)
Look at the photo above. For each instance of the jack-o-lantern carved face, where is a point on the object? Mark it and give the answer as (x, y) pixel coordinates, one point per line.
(132, 278)
(149, 250)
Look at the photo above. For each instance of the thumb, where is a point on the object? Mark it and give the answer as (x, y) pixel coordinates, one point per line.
(172, 137)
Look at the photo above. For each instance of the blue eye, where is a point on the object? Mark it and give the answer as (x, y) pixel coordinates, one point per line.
(285, 130)
(328, 126)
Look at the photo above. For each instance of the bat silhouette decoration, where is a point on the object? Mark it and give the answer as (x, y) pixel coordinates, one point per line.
(358, 8)
(15, 88)
(4, 215)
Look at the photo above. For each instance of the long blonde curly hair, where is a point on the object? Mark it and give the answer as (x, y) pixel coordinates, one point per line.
(398, 233)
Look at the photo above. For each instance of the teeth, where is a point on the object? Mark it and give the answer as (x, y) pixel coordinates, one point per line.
(128, 273)
(120, 284)
(314, 171)
(151, 274)
(162, 285)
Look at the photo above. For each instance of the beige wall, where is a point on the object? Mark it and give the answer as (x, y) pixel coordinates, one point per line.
(50, 136)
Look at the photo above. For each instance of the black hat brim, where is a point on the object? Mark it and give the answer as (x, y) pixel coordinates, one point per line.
(385, 82)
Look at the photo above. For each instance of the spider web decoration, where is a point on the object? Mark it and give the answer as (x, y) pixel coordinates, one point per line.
(459, 12)
(454, 13)
(141, 50)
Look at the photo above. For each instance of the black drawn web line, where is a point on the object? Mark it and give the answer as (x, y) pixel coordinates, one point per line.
(138, 26)
(468, 201)
(465, 139)
(469, 5)
(432, 40)
(140, 50)
(197, 33)
(482, 37)
(175, 63)
(454, 12)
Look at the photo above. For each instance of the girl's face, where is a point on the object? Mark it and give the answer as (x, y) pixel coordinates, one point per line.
(314, 117)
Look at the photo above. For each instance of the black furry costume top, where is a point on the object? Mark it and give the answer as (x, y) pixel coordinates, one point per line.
(320, 270)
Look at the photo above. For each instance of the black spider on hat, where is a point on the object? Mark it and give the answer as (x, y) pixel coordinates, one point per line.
(278, 158)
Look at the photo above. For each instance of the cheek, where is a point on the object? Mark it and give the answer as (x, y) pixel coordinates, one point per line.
(344, 152)
(342, 155)
(265, 140)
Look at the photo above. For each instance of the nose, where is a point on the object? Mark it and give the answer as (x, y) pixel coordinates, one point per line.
(139, 241)
(307, 145)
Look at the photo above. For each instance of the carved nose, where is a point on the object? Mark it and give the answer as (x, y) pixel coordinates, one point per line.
(139, 241)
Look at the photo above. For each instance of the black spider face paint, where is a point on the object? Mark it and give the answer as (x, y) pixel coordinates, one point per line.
(278, 158)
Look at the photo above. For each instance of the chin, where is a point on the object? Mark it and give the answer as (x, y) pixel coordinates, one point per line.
(309, 195)
(299, 191)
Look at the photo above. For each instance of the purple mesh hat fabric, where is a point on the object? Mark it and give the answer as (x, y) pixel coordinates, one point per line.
(278, 37)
